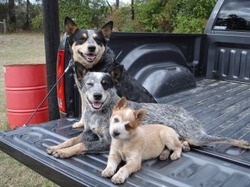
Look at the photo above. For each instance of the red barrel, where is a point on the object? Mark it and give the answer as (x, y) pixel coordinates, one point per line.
(26, 87)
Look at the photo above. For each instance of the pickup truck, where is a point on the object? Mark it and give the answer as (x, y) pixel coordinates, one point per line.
(167, 65)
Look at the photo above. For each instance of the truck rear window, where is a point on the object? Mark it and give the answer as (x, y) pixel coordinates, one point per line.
(234, 15)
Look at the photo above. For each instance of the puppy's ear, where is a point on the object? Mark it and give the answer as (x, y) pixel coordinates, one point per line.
(121, 104)
(70, 26)
(140, 114)
(80, 71)
(107, 29)
(116, 73)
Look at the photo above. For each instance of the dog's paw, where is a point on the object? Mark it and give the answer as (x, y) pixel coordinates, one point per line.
(78, 125)
(118, 178)
(185, 146)
(164, 155)
(175, 155)
(244, 144)
(108, 172)
(62, 153)
(51, 150)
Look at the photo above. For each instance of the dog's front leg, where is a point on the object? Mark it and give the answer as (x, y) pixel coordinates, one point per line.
(123, 173)
(80, 123)
(113, 161)
(164, 154)
(70, 151)
(68, 143)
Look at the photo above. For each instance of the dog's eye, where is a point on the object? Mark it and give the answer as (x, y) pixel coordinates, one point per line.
(89, 83)
(105, 84)
(98, 41)
(127, 126)
(80, 41)
(116, 120)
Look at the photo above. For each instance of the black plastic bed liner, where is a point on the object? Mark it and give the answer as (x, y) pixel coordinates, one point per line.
(223, 107)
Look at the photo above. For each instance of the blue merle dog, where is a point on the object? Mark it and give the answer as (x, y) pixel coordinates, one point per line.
(89, 48)
(100, 96)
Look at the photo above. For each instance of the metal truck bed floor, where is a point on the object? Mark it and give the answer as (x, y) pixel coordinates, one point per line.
(223, 107)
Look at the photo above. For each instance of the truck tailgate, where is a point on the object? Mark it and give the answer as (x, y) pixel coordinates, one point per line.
(224, 109)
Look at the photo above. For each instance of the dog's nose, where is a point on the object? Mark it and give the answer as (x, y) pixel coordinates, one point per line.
(115, 133)
(97, 96)
(91, 48)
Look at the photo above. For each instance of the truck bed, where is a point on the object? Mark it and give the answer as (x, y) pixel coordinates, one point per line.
(222, 106)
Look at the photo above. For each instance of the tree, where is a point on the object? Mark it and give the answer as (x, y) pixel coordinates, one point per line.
(185, 16)
(3, 10)
(27, 23)
(117, 4)
(87, 13)
(148, 14)
(192, 15)
(12, 15)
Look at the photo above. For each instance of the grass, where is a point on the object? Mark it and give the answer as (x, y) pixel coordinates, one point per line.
(18, 49)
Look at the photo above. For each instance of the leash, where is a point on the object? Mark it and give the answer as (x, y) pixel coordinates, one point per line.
(70, 64)
(118, 55)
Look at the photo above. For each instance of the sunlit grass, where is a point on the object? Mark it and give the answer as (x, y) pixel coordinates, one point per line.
(18, 49)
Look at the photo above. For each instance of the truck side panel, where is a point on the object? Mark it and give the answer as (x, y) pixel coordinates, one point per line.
(228, 41)
(228, 58)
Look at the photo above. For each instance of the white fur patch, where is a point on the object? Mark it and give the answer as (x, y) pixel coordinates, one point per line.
(128, 113)
(99, 75)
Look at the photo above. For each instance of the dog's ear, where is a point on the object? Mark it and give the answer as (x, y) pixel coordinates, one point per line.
(140, 114)
(121, 103)
(107, 29)
(80, 71)
(70, 26)
(116, 73)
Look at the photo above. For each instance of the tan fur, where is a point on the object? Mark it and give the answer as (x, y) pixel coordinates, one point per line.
(136, 142)
(70, 147)
(83, 49)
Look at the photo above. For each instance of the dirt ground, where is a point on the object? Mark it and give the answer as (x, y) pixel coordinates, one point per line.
(25, 48)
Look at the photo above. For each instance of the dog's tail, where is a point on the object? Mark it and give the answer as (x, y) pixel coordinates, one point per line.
(209, 139)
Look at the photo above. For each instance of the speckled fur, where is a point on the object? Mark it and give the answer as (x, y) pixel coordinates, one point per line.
(80, 40)
(96, 137)
(107, 61)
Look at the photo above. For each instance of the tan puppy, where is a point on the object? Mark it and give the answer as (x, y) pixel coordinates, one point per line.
(133, 143)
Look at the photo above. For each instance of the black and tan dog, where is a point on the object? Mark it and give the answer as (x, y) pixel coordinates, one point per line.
(89, 48)
(99, 97)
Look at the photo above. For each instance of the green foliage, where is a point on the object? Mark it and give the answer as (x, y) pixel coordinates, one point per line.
(186, 24)
(192, 15)
(86, 13)
(37, 23)
(37, 18)
(121, 18)
(148, 15)
(179, 16)
(187, 16)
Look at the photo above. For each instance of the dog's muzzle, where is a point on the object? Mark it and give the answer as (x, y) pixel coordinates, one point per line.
(89, 57)
(97, 103)
(115, 134)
